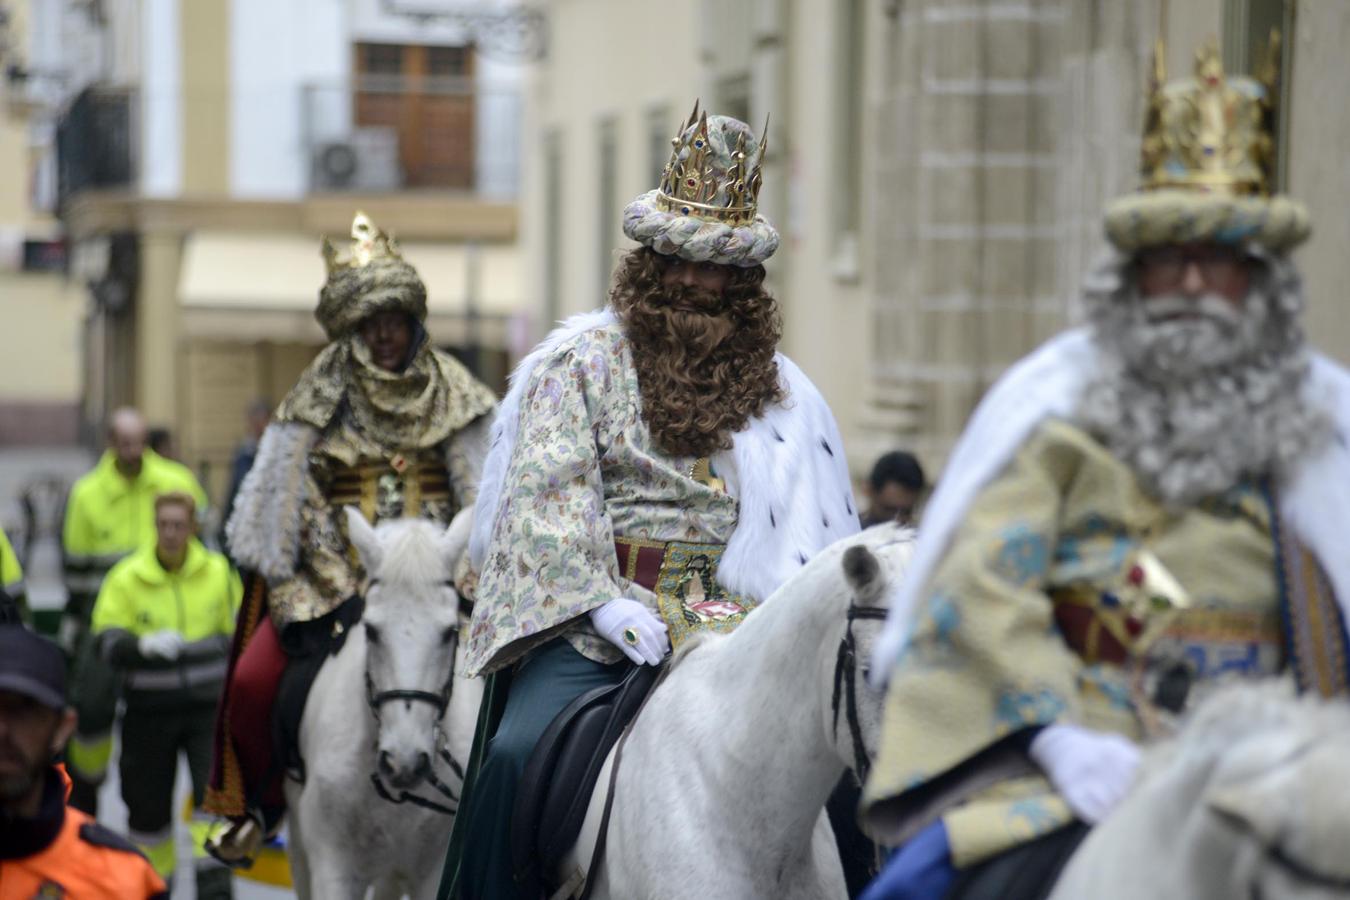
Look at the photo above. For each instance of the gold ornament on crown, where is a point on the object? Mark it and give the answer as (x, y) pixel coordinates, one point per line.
(1212, 134)
(369, 243)
(690, 186)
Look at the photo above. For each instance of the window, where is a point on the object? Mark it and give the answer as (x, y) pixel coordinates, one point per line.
(661, 127)
(404, 94)
(1247, 26)
(553, 227)
(607, 211)
(848, 127)
(733, 97)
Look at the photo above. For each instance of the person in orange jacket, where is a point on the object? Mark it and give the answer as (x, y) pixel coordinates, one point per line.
(47, 848)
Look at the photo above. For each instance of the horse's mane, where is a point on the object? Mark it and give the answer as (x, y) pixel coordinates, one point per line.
(413, 551)
(1239, 714)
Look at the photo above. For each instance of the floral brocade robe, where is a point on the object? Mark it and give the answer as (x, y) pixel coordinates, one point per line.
(584, 471)
(992, 656)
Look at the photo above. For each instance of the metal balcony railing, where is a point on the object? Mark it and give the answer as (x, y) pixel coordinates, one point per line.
(94, 142)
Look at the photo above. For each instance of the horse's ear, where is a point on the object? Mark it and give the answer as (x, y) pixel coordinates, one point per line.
(363, 538)
(863, 572)
(456, 537)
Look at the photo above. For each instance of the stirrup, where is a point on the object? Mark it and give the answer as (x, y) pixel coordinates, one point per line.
(238, 844)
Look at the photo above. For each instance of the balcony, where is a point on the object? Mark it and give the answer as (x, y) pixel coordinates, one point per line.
(381, 135)
(94, 142)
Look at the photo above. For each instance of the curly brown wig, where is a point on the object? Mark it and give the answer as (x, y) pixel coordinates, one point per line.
(705, 361)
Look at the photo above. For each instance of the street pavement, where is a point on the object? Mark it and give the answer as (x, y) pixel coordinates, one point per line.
(20, 467)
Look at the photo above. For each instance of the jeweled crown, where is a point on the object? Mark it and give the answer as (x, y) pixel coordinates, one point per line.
(369, 243)
(699, 181)
(1212, 133)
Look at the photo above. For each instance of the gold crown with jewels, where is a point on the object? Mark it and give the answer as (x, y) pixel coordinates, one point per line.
(369, 243)
(1212, 133)
(710, 179)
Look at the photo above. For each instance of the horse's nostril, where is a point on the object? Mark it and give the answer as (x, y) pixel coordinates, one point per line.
(386, 763)
(423, 765)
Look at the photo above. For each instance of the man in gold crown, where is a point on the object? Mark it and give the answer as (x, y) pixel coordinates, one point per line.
(381, 420)
(1138, 508)
(658, 469)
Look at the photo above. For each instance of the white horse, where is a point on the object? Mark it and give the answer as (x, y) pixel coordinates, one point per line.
(1251, 800)
(724, 777)
(386, 721)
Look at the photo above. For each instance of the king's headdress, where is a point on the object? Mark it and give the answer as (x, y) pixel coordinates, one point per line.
(1208, 161)
(368, 276)
(699, 181)
(369, 243)
(706, 206)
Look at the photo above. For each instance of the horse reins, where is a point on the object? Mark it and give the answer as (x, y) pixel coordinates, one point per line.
(846, 685)
(441, 701)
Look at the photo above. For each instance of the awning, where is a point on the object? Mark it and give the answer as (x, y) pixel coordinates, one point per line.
(258, 286)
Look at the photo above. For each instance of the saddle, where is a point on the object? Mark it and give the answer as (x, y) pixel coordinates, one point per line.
(556, 787)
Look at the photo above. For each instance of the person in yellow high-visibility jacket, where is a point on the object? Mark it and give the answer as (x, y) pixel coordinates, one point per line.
(164, 618)
(110, 513)
(13, 597)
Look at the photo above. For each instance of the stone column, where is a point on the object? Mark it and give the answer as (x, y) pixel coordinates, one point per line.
(157, 348)
(1004, 126)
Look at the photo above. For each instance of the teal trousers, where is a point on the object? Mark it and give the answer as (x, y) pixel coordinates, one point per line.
(478, 863)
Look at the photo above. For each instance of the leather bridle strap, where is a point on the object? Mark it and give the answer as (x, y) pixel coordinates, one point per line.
(846, 685)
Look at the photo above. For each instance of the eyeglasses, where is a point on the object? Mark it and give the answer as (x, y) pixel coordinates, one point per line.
(1167, 266)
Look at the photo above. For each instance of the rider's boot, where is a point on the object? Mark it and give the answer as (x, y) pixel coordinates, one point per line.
(237, 844)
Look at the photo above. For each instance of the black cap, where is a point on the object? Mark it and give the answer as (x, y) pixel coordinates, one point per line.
(33, 666)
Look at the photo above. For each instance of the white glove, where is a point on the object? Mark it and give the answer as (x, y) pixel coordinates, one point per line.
(166, 645)
(1092, 770)
(621, 618)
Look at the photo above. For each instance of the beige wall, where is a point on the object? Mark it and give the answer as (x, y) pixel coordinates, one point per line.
(1319, 166)
(41, 315)
(642, 59)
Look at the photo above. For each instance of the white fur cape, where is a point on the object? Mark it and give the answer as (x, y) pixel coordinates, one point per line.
(786, 469)
(1048, 384)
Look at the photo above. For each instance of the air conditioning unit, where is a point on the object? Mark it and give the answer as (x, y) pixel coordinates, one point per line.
(365, 160)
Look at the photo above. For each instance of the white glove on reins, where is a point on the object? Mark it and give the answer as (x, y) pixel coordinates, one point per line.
(1092, 770)
(633, 628)
(166, 645)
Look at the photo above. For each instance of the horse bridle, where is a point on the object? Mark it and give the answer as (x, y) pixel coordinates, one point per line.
(441, 701)
(846, 685)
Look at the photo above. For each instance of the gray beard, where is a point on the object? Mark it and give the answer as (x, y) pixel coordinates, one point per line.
(1196, 405)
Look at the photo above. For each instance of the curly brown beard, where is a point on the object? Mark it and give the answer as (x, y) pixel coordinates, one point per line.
(705, 362)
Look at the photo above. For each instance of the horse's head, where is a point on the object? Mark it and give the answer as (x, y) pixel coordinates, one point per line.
(1248, 800)
(410, 628)
(873, 563)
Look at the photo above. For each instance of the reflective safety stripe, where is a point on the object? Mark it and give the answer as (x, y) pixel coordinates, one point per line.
(84, 582)
(88, 755)
(14, 588)
(158, 848)
(175, 679)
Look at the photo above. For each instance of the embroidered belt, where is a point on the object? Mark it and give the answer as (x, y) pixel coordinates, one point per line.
(683, 577)
(1100, 633)
(416, 482)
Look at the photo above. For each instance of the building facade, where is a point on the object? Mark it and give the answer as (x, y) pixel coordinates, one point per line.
(203, 147)
(937, 168)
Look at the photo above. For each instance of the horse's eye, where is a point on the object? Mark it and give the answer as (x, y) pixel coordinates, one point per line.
(372, 633)
(448, 634)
